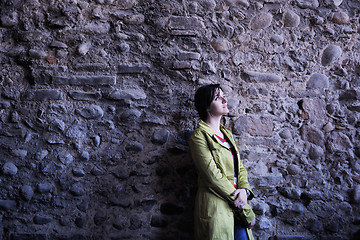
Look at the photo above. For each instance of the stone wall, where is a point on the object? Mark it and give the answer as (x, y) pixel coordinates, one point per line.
(96, 111)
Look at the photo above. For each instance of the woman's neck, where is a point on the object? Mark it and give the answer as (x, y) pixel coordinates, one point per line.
(214, 123)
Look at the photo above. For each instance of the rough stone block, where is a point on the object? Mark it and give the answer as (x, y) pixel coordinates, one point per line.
(77, 190)
(258, 77)
(264, 223)
(160, 136)
(7, 204)
(267, 180)
(130, 115)
(37, 53)
(134, 147)
(312, 135)
(9, 169)
(43, 95)
(44, 187)
(134, 19)
(189, 33)
(261, 21)
(66, 158)
(97, 27)
(291, 193)
(338, 141)
(132, 69)
(58, 44)
(91, 67)
(208, 67)
(91, 112)
(178, 65)
(128, 94)
(126, 4)
(183, 56)
(321, 209)
(340, 17)
(85, 96)
(43, 74)
(27, 192)
(349, 95)
(221, 45)
(41, 220)
(314, 109)
(86, 80)
(291, 19)
(256, 126)
(312, 4)
(185, 23)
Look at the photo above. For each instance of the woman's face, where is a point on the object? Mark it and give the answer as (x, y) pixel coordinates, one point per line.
(218, 107)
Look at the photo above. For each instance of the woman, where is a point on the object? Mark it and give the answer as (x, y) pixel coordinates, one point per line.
(221, 208)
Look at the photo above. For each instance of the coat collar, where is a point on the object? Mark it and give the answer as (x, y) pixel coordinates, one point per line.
(203, 126)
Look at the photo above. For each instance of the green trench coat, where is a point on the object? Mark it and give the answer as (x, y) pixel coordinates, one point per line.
(214, 217)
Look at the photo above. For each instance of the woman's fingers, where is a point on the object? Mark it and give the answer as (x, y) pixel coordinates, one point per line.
(236, 192)
(241, 198)
(239, 203)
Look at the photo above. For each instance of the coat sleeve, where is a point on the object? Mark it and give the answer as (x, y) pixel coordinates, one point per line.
(207, 168)
(245, 216)
(243, 179)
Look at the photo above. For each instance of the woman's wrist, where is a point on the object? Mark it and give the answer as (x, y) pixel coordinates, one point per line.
(247, 191)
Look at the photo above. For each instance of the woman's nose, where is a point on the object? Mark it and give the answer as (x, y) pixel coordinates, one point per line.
(224, 100)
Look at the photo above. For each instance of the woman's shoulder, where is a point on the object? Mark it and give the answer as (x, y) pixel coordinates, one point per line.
(198, 132)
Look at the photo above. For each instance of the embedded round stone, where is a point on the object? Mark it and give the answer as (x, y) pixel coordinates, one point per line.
(130, 115)
(316, 152)
(285, 134)
(261, 21)
(340, 18)
(134, 147)
(84, 48)
(9, 169)
(278, 39)
(91, 112)
(27, 192)
(221, 45)
(238, 3)
(294, 169)
(318, 81)
(330, 54)
(44, 187)
(291, 19)
(160, 136)
(312, 4)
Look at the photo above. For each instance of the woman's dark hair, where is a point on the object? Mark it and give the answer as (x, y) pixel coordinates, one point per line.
(203, 98)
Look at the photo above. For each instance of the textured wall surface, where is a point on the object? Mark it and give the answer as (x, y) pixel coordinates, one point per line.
(96, 111)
